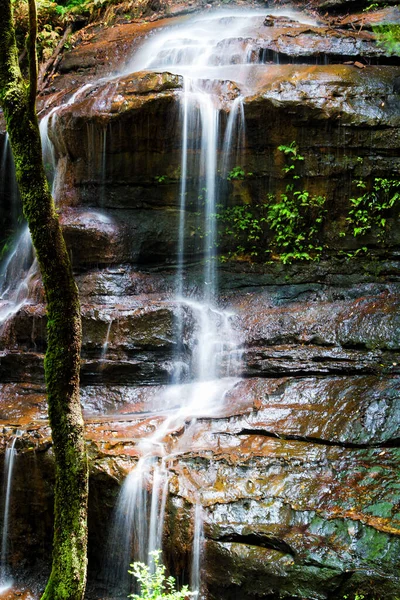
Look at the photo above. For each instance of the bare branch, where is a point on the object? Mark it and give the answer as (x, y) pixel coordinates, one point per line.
(48, 68)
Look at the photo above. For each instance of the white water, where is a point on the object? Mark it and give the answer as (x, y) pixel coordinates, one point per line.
(5, 576)
(206, 52)
(19, 270)
(212, 45)
(197, 549)
(106, 341)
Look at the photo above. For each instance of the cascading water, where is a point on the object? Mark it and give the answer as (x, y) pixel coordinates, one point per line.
(106, 342)
(213, 133)
(198, 538)
(19, 269)
(5, 576)
(208, 52)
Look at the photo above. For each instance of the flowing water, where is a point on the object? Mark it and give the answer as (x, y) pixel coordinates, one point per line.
(197, 548)
(18, 267)
(206, 51)
(19, 270)
(209, 51)
(106, 341)
(5, 575)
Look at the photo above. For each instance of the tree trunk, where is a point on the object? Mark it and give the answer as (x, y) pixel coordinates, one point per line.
(68, 576)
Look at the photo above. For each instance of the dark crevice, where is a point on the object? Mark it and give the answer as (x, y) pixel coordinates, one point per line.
(340, 590)
(260, 541)
(352, 6)
(267, 55)
(335, 371)
(393, 443)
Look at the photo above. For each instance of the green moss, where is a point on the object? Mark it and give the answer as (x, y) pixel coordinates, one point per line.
(380, 509)
(62, 364)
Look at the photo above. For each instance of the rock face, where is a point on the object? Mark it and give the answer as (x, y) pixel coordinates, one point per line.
(297, 470)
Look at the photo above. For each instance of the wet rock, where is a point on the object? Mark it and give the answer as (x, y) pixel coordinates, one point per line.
(359, 109)
(346, 411)
(297, 470)
(257, 525)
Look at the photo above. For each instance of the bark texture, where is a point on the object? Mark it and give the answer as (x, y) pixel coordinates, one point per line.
(62, 363)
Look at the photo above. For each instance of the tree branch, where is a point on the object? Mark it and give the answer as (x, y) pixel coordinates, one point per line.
(9, 66)
(33, 64)
(47, 69)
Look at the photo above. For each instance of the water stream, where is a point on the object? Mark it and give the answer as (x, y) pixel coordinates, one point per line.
(19, 270)
(197, 549)
(202, 53)
(5, 575)
(209, 51)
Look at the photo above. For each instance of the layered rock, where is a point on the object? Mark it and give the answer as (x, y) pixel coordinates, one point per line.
(297, 470)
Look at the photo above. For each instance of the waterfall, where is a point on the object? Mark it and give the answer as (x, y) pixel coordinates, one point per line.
(104, 348)
(10, 454)
(19, 269)
(198, 539)
(236, 126)
(212, 137)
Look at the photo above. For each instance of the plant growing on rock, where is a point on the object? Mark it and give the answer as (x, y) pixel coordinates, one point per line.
(287, 225)
(388, 36)
(370, 210)
(238, 173)
(155, 585)
(296, 216)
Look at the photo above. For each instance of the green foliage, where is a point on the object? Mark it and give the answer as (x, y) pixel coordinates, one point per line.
(388, 36)
(47, 40)
(370, 209)
(287, 225)
(156, 586)
(371, 7)
(52, 20)
(161, 178)
(292, 152)
(246, 226)
(5, 248)
(296, 219)
(50, 25)
(238, 173)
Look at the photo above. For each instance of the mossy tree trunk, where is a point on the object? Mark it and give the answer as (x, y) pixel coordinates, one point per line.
(17, 99)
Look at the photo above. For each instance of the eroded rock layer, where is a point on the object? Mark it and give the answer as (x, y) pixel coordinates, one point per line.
(297, 470)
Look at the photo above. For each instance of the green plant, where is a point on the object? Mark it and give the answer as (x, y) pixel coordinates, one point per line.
(161, 178)
(370, 7)
(388, 36)
(287, 225)
(246, 225)
(296, 219)
(292, 151)
(296, 216)
(238, 173)
(370, 209)
(155, 585)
